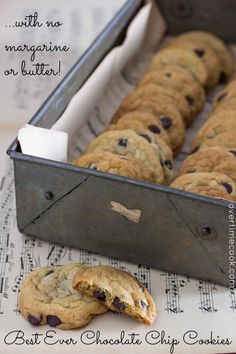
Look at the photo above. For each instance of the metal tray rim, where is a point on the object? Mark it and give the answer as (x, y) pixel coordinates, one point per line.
(148, 185)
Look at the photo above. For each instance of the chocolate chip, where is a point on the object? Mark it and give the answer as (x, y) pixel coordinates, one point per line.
(168, 75)
(53, 320)
(166, 122)
(233, 152)
(100, 295)
(200, 52)
(168, 164)
(227, 187)
(49, 272)
(144, 304)
(123, 142)
(145, 136)
(189, 99)
(93, 166)
(118, 304)
(223, 78)
(35, 321)
(222, 96)
(194, 150)
(154, 129)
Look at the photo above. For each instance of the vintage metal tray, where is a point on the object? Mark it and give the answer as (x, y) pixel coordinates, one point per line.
(175, 231)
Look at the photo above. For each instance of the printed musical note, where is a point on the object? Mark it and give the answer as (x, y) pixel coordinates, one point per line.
(144, 276)
(232, 295)
(173, 285)
(206, 290)
(6, 189)
(55, 254)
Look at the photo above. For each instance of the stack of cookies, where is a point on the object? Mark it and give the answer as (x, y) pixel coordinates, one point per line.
(148, 129)
(69, 296)
(211, 169)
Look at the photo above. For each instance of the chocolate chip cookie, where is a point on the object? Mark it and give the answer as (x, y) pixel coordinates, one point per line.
(47, 297)
(162, 150)
(205, 54)
(128, 143)
(119, 291)
(226, 105)
(153, 91)
(224, 55)
(165, 112)
(220, 122)
(204, 182)
(184, 58)
(225, 95)
(215, 159)
(225, 140)
(118, 165)
(181, 81)
(148, 121)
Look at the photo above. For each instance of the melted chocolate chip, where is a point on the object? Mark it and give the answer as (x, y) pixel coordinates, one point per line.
(168, 164)
(166, 122)
(194, 150)
(200, 52)
(228, 187)
(145, 136)
(100, 295)
(93, 166)
(53, 320)
(222, 96)
(35, 321)
(123, 142)
(118, 304)
(233, 152)
(223, 78)
(189, 99)
(49, 272)
(144, 304)
(168, 75)
(154, 129)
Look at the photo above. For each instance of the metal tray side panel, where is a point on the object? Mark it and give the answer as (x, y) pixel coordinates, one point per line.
(167, 236)
(216, 16)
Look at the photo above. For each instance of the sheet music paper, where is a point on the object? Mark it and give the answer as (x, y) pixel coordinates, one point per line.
(186, 307)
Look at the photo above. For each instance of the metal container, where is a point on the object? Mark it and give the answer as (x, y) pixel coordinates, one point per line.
(176, 231)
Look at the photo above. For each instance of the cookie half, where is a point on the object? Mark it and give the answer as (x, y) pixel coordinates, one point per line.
(118, 290)
(47, 297)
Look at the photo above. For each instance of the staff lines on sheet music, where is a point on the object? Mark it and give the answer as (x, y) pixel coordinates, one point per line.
(26, 265)
(206, 290)
(55, 254)
(6, 190)
(173, 284)
(233, 299)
